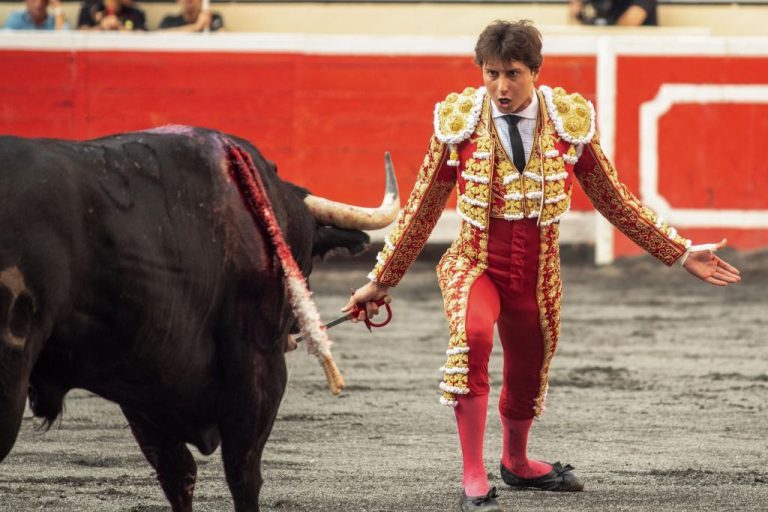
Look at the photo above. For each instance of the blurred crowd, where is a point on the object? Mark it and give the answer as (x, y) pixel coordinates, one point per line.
(627, 13)
(112, 15)
(193, 17)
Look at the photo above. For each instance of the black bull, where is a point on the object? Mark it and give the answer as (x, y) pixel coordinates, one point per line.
(130, 267)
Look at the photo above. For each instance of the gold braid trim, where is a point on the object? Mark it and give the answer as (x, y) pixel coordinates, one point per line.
(460, 266)
(572, 115)
(455, 118)
(416, 221)
(548, 295)
(616, 203)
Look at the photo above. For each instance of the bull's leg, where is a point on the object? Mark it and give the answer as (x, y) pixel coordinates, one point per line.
(247, 425)
(175, 467)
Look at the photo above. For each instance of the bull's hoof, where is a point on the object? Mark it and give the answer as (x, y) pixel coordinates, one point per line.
(46, 402)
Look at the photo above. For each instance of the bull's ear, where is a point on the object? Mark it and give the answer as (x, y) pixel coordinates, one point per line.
(337, 240)
(300, 191)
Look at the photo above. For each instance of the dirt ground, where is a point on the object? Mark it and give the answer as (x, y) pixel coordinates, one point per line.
(659, 397)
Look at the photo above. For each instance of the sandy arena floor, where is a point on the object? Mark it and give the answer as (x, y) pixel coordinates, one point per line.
(659, 397)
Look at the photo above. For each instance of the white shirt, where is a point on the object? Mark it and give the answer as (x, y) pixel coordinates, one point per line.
(526, 126)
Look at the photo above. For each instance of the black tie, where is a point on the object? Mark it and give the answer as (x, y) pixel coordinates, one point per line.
(518, 151)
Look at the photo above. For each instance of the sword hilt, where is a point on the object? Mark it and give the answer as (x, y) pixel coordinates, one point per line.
(360, 308)
(384, 301)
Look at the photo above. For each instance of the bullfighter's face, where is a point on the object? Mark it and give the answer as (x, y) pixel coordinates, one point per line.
(509, 84)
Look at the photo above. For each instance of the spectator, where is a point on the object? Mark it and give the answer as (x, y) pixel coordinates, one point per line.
(36, 17)
(110, 15)
(627, 13)
(192, 18)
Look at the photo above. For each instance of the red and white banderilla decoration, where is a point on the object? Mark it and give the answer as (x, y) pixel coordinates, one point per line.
(246, 176)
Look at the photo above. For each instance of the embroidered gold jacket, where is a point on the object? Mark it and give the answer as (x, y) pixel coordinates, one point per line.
(466, 150)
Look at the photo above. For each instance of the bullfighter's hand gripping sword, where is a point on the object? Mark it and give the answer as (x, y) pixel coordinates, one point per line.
(360, 308)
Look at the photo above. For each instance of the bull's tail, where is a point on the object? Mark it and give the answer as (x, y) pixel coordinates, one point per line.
(243, 172)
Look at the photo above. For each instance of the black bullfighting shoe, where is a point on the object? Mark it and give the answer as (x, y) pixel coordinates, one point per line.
(484, 503)
(560, 479)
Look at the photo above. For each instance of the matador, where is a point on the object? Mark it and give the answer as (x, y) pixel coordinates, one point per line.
(513, 150)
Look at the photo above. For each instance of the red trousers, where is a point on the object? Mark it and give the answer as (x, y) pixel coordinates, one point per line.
(505, 295)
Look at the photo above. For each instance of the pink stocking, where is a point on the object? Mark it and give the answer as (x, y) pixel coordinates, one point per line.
(515, 452)
(470, 420)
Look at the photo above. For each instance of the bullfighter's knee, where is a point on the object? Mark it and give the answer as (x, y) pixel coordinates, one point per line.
(518, 397)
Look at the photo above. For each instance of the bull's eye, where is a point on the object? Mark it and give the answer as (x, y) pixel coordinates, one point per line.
(21, 315)
(5, 305)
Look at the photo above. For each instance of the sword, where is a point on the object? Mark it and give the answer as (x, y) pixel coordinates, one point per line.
(385, 301)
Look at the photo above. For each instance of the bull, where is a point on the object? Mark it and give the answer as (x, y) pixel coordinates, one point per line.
(130, 267)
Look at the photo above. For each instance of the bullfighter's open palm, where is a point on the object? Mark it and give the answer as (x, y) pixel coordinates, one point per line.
(707, 266)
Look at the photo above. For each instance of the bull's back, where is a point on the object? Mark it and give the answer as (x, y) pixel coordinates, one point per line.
(131, 240)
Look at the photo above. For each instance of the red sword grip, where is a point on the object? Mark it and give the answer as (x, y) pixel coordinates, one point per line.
(384, 301)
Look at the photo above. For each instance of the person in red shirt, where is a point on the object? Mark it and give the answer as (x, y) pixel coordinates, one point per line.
(514, 150)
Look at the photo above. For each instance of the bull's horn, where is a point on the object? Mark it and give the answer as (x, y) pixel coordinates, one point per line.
(331, 213)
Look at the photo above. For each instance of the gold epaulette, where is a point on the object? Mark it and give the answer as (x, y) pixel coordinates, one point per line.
(572, 115)
(457, 116)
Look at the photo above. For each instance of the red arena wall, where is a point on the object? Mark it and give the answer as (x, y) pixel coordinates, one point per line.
(326, 120)
(710, 112)
(325, 110)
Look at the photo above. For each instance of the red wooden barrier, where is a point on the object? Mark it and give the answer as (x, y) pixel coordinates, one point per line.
(326, 109)
(325, 120)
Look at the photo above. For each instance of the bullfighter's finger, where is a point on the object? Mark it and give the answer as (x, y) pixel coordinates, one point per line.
(727, 276)
(716, 281)
(727, 266)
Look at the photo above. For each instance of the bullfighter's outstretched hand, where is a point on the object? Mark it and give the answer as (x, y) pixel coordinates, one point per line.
(707, 266)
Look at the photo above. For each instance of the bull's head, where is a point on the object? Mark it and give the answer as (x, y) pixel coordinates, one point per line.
(340, 226)
(346, 220)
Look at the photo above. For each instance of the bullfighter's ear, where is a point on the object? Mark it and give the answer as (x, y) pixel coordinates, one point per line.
(333, 240)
